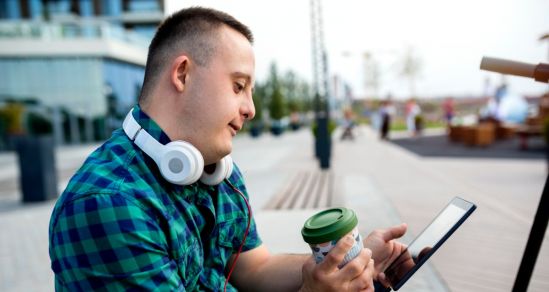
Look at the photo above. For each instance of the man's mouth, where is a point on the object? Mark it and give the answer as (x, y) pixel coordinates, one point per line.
(234, 129)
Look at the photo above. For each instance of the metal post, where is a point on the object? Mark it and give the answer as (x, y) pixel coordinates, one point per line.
(537, 233)
(320, 84)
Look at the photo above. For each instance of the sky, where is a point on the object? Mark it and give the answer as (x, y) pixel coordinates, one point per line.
(448, 38)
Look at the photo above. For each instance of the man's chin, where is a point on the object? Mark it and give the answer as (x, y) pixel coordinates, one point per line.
(218, 156)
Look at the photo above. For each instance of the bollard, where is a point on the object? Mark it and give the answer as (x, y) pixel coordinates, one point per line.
(38, 176)
(323, 141)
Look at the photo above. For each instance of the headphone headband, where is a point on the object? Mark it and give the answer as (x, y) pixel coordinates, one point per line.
(142, 138)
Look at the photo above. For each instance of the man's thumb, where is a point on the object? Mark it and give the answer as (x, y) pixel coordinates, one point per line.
(395, 232)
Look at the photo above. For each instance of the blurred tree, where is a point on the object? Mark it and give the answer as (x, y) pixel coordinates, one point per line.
(297, 92)
(12, 114)
(283, 95)
(372, 75)
(276, 103)
(259, 95)
(277, 106)
(411, 69)
(277, 99)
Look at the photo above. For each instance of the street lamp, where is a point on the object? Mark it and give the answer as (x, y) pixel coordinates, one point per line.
(320, 78)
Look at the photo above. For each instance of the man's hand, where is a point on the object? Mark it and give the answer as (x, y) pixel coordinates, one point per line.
(383, 246)
(357, 275)
(403, 264)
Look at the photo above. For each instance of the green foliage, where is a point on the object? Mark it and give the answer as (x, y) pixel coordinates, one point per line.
(12, 117)
(259, 96)
(284, 94)
(277, 106)
(332, 125)
(294, 106)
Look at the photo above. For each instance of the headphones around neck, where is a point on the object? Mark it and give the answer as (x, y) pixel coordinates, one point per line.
(179, 162)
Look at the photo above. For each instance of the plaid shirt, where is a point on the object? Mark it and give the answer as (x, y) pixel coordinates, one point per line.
(120, 226)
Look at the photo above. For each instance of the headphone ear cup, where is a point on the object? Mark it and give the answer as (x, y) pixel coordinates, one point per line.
(223, 169)
(181, 163)
(228, 166)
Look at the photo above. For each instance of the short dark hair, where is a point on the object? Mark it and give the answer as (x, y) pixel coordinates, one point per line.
(192, 30)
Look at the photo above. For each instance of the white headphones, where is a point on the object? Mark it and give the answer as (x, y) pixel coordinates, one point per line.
(179, 162)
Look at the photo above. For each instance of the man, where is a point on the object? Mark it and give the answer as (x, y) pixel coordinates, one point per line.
(120, 225)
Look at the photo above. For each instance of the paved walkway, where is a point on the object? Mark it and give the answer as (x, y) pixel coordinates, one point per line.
(384, 183)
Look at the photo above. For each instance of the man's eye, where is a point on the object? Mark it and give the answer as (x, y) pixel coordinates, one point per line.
(238, 87)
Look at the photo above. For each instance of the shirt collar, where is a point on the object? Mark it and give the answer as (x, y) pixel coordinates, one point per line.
(150, 125)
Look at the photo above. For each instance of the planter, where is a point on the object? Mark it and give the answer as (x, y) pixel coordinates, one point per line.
(277, 127)
(295, 126)
(256, 131)
(277, 130)
(38, 176)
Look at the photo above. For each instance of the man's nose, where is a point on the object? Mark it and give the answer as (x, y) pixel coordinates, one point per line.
(247, 110)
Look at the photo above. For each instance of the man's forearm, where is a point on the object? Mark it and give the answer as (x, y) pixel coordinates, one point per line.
(280, 273)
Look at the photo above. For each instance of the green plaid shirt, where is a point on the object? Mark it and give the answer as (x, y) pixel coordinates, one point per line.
(120, 226)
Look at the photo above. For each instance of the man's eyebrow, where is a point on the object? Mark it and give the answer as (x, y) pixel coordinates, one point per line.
(242, 75)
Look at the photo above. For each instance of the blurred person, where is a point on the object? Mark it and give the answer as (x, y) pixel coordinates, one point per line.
(513, 108)
(448, 110)
(386, 111)
(125, 222)
(348, 125)
(490, 110)
(412, 111)
(501, 91)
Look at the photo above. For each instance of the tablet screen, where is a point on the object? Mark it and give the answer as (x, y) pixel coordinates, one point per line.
(428, 241)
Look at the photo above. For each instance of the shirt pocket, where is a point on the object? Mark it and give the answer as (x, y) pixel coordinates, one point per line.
(231, 234)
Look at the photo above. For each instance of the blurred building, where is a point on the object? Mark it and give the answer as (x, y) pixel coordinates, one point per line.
(82, 57)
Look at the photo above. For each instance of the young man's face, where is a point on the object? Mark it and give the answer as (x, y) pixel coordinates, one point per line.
(219, 96)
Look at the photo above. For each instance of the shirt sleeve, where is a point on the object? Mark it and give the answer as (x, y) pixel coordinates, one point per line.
(108, 242)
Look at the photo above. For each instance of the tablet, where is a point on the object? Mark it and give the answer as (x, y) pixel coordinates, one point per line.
(428, 241)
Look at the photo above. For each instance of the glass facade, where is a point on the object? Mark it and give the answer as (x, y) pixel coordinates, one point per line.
(77, 84)
(144, 5)
(59, 7)
(124, 79)
(74, 83)
(9, 9)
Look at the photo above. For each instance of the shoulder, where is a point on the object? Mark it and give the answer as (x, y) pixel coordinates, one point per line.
(114, 170)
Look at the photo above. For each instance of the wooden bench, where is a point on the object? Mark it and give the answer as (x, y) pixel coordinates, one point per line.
(478, 135)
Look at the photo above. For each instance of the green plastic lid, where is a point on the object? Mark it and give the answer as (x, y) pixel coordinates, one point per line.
(329, 225)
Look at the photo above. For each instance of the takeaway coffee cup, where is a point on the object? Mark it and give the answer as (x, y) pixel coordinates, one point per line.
(323, 230)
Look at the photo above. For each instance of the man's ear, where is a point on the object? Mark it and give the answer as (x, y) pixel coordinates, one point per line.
(179, 71)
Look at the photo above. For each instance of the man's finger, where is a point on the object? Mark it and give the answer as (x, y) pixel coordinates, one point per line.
(336, 255)
(383, 280)
(394, 232)
(357, 266)
(365, 281)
